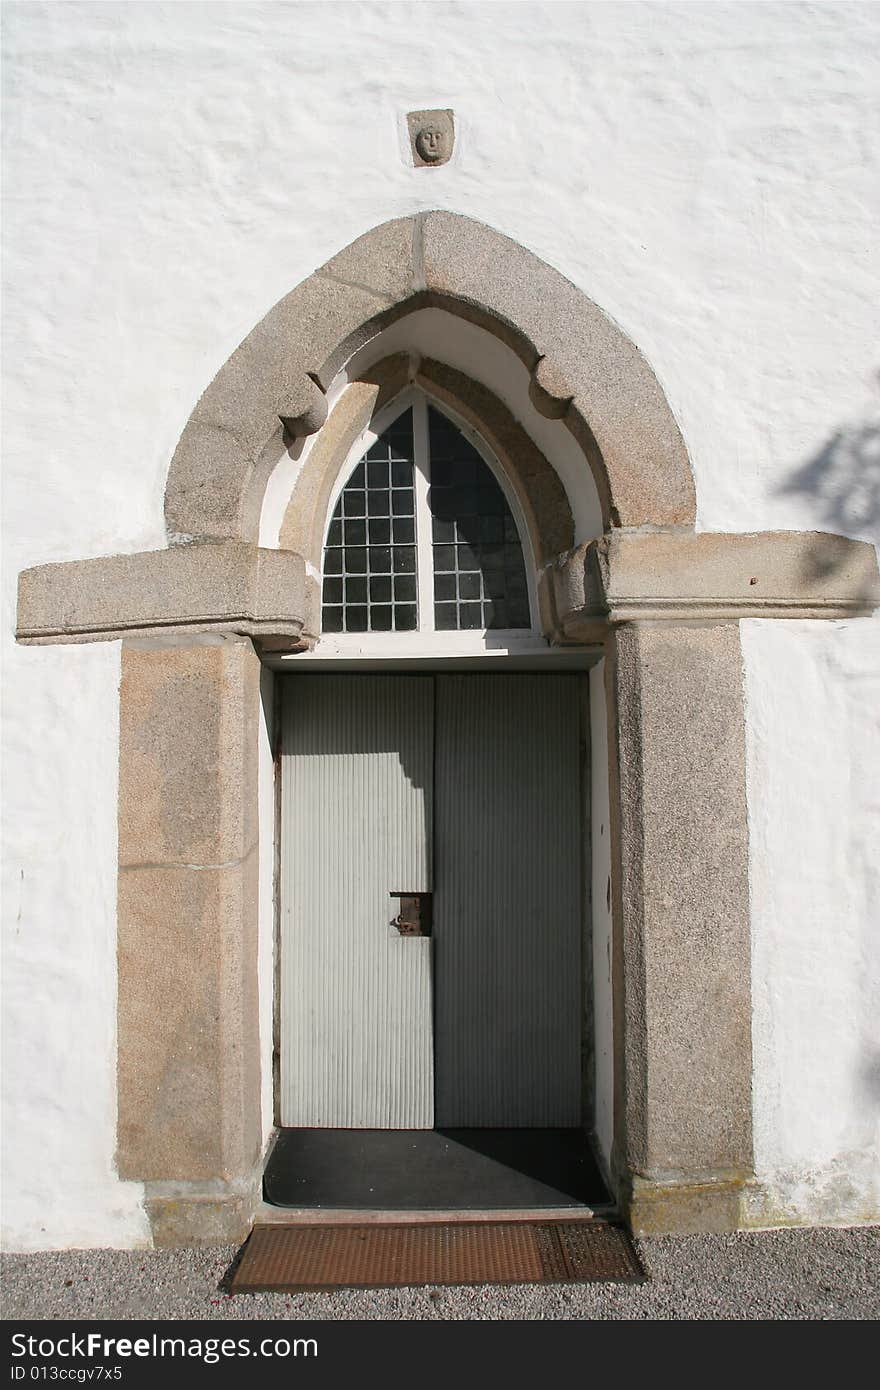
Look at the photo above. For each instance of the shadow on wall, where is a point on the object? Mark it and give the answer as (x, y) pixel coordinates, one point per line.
(843, 478)
(869, 1075)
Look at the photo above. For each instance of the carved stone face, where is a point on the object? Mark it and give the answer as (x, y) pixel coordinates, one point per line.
(431, 143)
(432, 137)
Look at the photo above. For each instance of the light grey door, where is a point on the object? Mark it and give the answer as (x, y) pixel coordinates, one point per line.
(468, 785)
(507, 912)
(357, 795)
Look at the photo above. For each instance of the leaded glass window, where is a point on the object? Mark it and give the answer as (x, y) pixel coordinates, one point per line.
(370, 556)
(479, 575)
(423, 482)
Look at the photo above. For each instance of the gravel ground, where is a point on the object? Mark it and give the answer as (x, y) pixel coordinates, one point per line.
(815, 1274)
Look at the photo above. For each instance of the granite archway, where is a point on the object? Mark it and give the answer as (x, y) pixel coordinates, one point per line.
(661, 600)
(584, 371)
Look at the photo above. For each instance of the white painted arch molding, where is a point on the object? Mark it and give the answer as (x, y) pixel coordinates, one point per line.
(584, 369)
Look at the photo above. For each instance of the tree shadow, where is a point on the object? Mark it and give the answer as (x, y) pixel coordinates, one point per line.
(842, 479)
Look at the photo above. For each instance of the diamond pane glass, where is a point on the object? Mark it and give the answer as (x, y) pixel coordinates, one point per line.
(479, 573)
(370, 555)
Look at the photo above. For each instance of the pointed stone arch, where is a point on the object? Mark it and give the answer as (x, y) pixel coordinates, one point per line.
(584, 370)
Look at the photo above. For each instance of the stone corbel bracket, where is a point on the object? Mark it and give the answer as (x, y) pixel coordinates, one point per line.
(630, 576)
(221, 586)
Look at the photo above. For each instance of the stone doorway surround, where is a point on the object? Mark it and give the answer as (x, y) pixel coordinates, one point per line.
(663, 602)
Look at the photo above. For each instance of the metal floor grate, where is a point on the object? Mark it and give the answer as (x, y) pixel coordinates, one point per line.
(297, 1258)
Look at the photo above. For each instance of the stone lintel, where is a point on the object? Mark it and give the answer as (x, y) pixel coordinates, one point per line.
(224, 586)
(674, 576)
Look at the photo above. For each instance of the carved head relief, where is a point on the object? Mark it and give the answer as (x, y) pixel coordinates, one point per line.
(432, 135)
(431, 144)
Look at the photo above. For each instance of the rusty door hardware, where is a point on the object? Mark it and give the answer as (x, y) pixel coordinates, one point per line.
(414, 917)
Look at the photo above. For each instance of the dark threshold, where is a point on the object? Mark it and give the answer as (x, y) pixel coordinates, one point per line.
(433, 1170)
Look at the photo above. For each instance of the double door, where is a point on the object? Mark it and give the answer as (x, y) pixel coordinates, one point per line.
(431, 939)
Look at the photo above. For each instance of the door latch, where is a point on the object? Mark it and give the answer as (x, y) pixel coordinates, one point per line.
(414, 917)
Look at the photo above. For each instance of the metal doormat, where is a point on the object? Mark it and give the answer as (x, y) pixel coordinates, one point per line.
(282, 1259)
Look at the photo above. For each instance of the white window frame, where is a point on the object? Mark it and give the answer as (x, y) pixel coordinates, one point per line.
(426, 640)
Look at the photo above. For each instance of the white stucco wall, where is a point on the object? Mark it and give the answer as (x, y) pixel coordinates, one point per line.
(813, 697)
(60, 777)
(707, 173)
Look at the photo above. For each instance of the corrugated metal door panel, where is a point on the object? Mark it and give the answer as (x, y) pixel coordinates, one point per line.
(357, 794)
(507, 918)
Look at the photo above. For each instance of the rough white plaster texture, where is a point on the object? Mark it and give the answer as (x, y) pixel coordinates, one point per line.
(600, 822)
(707, 173)
(813, 693)
(59, 1186)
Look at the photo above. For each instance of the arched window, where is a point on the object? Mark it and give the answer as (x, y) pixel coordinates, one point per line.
(423, 537)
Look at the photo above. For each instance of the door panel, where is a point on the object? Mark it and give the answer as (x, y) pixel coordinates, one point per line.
(507, 914)
(357, 795)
